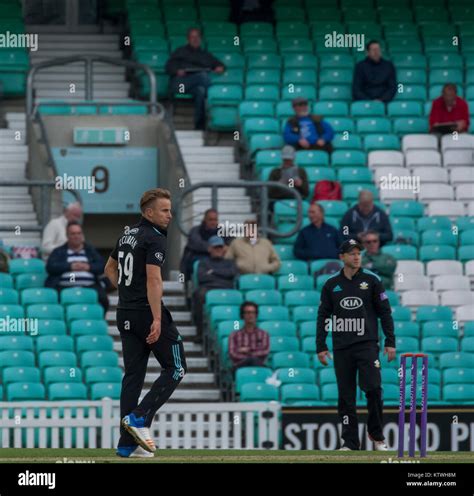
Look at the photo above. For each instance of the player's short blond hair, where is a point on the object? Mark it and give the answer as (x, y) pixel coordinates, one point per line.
(151, 195)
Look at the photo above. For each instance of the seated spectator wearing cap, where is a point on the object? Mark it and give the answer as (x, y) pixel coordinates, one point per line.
(364, 216)
(249, 346)
(253, 254)
(189, 67)
(317, 240)
(449, 112)
(374, 77)
(214, 272)
(290, 175)
(382, 264)
(307, 131)
(197, 245)
(76, 263)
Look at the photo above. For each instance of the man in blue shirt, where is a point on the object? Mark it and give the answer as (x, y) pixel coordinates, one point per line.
(307, 131)
(318, 240)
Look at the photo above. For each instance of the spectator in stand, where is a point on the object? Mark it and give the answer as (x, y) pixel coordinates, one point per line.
(290, 175)
(364, 216)
(307, 131)
(189, 68)
(449, 112)
(249, 346)
(76, 263)
(317, 240)
(54, 233)
(382, 264)
(253, 254)
(374, 77)
(214, 272)
(198, 241)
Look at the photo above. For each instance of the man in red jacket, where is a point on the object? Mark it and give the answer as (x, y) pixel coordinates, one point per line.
(449, 112)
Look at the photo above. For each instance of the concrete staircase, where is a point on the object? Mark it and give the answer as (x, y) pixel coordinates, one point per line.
(16, 204)
(199, 383)
(207, 163)
(55, 82)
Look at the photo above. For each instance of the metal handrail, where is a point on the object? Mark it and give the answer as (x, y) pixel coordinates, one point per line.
(263, 186)
(89, 60)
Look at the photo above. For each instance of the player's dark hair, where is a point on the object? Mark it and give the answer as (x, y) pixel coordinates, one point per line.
(371, 42)
(247, 304)
(450, 86)
(372, 232)
(72, 223)
(151, 195)
(209, 211)
(319, 206)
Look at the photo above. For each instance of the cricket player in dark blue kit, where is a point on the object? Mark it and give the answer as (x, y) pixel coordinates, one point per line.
(352, 301)
(145, 324)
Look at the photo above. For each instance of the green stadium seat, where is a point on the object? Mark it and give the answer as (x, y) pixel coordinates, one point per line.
(411, 76)
(308, 329)
(262, 92)
(289, 13)
(57, 359)
(292, 29)
(297, 298)
(223, 297)
(250, 375)
(458, 376)
(290, 359)
(94, 343)
(256, 281)
(296, 376)
(258, 392)
(456, 359)
(32, 280)
(278, 328)
(51, 311)
(468, 330)
(18, 343)
(410, 125)
(439, 44)
(222, 118)
(381, 142)
(103, 374)
(11, 311)
(438, 237)
(298, 392)
(335, 92)
(327, 376)
(331, 109)
(223, 312)
(255, 109)
(430, 313)
(39, 296)
(263, 76)
(6, 281)
(265, 141)
(341, 124)
(60, 391)
(25, 391)
(80, 312)
(407, 344)
(406, 208)
(224, 94)
(445, 61)
(443, 76)
(304, 312)
(297, 60)
(299, 76)
(347, 141)
(390, 376)
(467, 344)
(308, 345)
(297, 282)
(231, 59)
(316, 265)
(442, 252)
(466, 238)
(26, 265)
(400, 313)
(61, 374)
(283, 343)
(291, 91)
(259, 44)
(21, 374)
(84, 327)
(441, 328)
(99, 359)
(214, 12)
(455, 393)
(439, 344)
(465, 253)
(411, 92)
(268, 158)
(48, 327)
(259, 125)
(434, 223)
(218, 28)
(349, 158)
(106, 390)
(273, 312)
(8, 296)
(351, 191)
(329, 392)
(256, 29)
(405, 223)
(17, 358)
(284, 252)
(369, 108)
(374, 125)
(264, 61)
(334, 208)
(54, 343)
(408, 60)
(297, 267)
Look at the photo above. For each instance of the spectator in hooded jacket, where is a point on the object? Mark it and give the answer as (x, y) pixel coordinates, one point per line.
(366, 216)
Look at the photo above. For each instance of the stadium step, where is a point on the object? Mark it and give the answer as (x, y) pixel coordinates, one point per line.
(80, 95)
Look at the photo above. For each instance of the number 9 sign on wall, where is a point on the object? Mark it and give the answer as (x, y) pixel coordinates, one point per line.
(109, 179)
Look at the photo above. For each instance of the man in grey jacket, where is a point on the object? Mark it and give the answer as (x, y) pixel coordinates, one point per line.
(189, 68)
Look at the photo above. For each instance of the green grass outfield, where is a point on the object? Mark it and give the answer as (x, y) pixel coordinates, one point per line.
(47, 455)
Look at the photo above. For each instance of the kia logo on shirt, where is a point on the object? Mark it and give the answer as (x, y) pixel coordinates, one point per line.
(351, 303)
